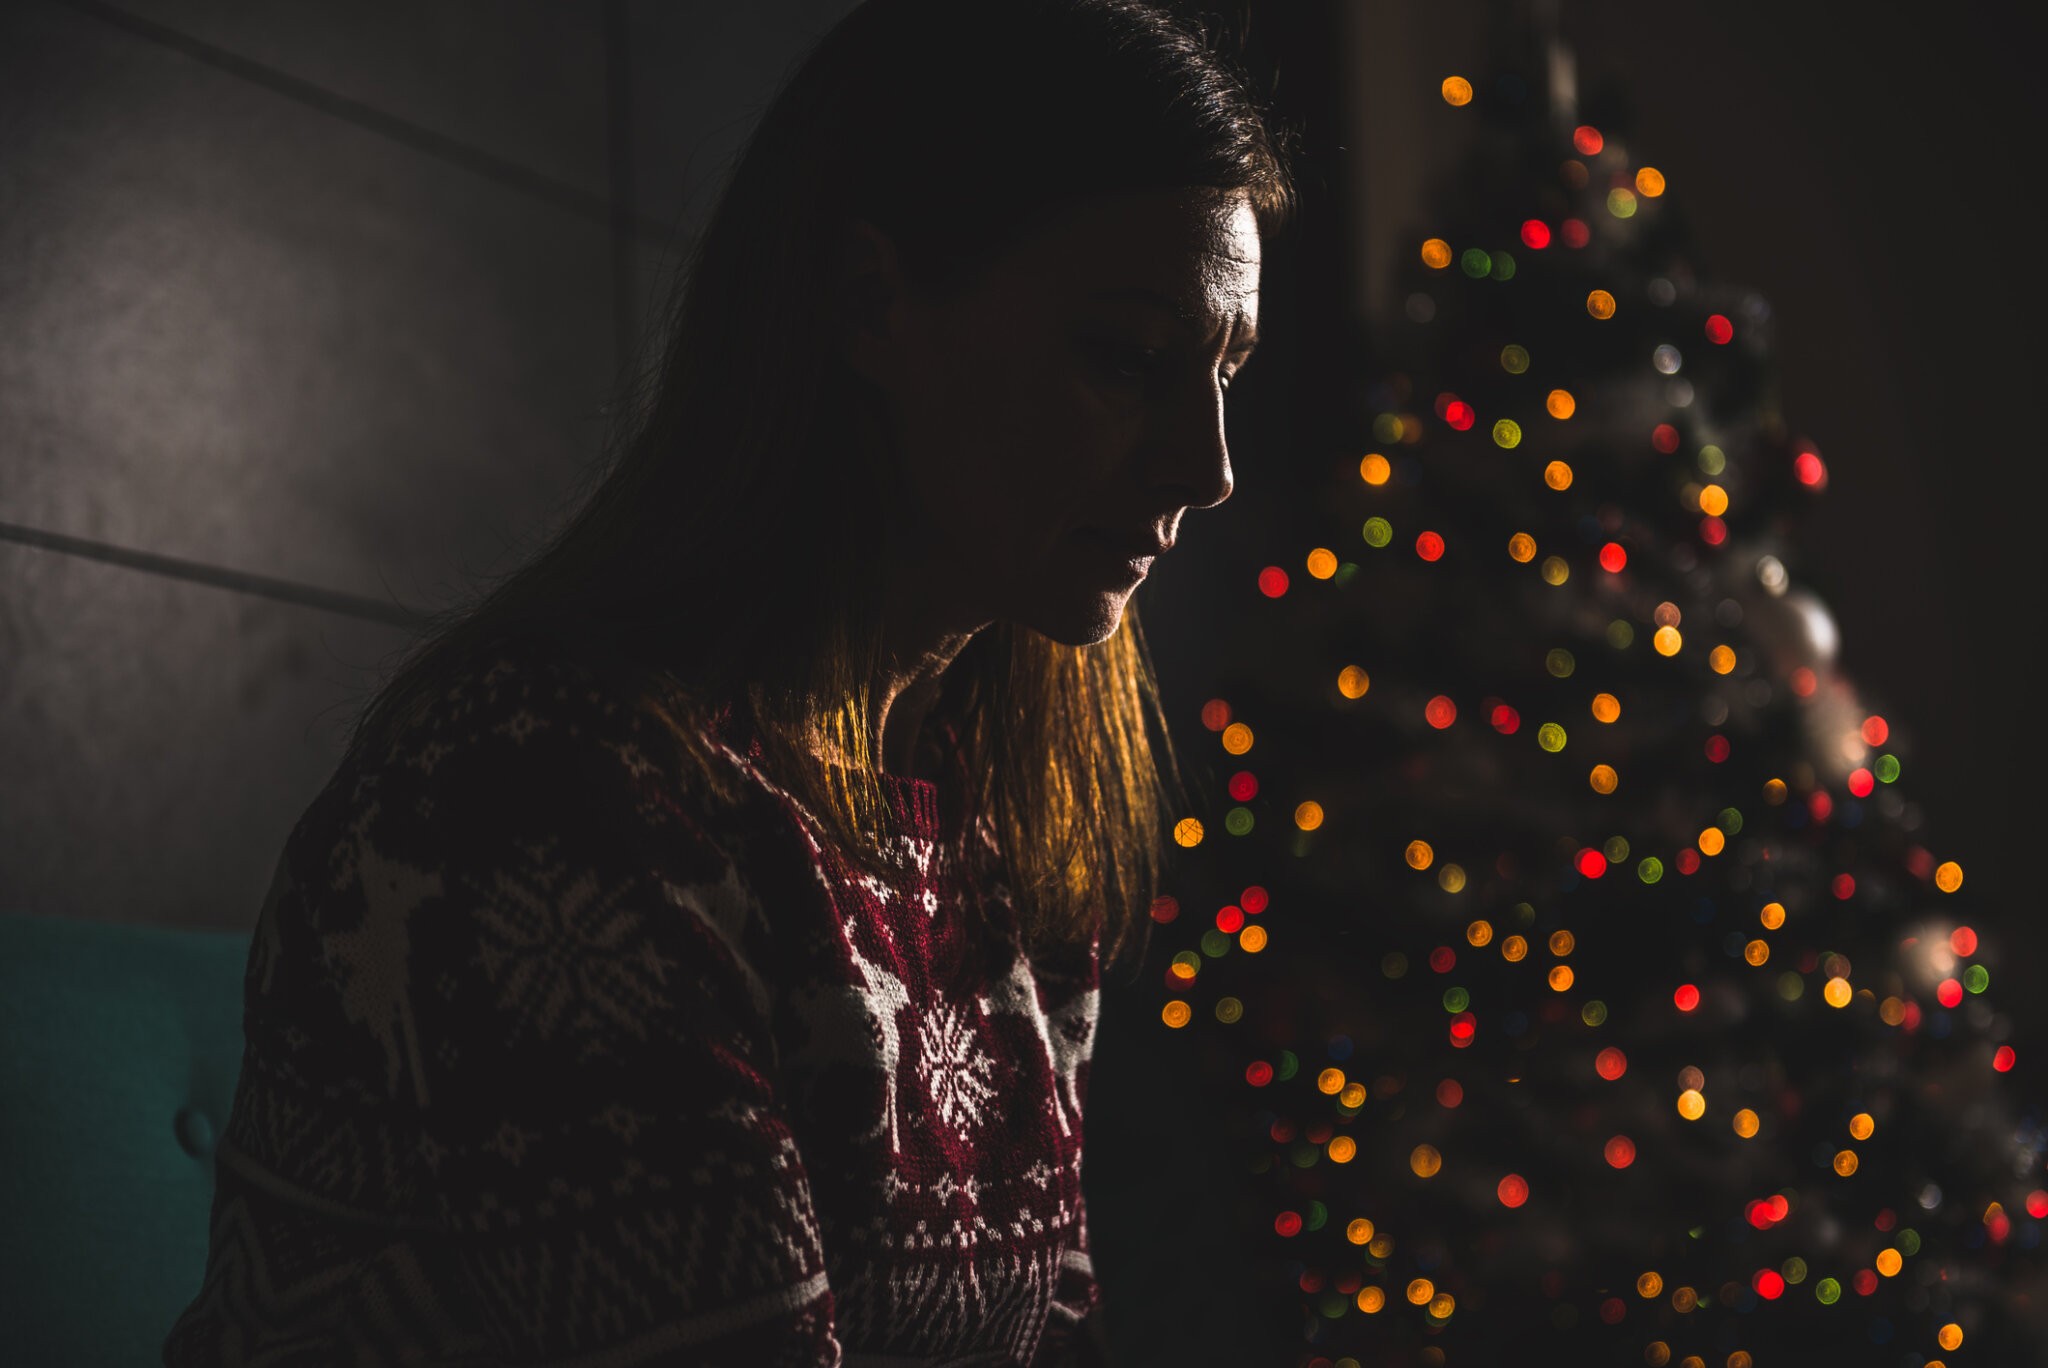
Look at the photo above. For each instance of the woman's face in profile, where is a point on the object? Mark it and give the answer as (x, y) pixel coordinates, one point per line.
(1065, 404)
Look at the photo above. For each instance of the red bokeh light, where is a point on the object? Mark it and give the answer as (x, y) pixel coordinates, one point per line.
(1610, 1063)
(1429, 546)
(1536, 234)
(1719, 330)
(1621, 1151)
(1440, 712)
(1687, 997)
(1272, 581)
(1613, 557)
(1586, 140)
(1590, 863)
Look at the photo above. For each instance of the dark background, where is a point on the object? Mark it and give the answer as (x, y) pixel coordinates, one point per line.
(310, 312)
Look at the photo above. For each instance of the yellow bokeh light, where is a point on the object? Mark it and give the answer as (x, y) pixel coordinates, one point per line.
(1375, 469)
(1603, 779)
(1322, 562)
(1419, 854)
(1457, 90)
(1600, 304)
(1359, 1231)
(1560, 978)
(1650, 1284)
(1649, 182)
(1187, 832)
(1889, 1262)
(1421, 1290)
(1692, 1104)
(1330, 1081)
(1606, 707)
(1308, 816)
(1436, 254)
(1371, 1300)
(1948, 876)
(1522, 547)
(1381, 1247)
(1237, 738)
(1845, 1162)
(1774, 791)
(1176, 1013)
(1252, 938)
(1342, 1149)
(1479, 933)
(1353, 1095)
(1712, 841)
(1352, 682)
(1861, 1125)
(1757, 952)
(1442, 1304)
(1558, 475)
(1451, 878)
(1721, 659)
(1425, 1160)
(1667, 641)
(1562, 943)
(1891, 1011)
(1713, 501)
(1656, 1354)
(1560, 404)
(1513, 949)
(1555, 571)
(1950, 1337)
(1772, 916)
(1837, 993)
(1745, 1123)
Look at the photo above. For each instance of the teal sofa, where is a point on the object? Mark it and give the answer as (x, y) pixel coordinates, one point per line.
(119, 1048)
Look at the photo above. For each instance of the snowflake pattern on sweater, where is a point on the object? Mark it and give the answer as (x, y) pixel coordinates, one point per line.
(544, 1065)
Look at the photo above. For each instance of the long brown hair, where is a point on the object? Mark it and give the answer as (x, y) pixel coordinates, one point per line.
(728, 543)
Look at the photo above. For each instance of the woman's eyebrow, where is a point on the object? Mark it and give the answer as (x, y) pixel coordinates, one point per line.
(1181, 310)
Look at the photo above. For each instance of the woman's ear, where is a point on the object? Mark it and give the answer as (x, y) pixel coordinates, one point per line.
(870, 302)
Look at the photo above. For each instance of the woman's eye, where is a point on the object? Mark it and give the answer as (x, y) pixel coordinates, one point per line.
(1125, 362)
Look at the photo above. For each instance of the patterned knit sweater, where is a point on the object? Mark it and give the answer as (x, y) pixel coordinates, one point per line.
(544, 1065)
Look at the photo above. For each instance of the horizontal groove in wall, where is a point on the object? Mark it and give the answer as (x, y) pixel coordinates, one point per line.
(239, 581)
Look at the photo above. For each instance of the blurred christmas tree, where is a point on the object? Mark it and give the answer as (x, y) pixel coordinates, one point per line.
(1593, 988)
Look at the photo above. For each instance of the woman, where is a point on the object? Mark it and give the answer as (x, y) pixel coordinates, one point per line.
(694, 957)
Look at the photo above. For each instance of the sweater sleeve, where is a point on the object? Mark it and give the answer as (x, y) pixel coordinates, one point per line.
(510, 1093)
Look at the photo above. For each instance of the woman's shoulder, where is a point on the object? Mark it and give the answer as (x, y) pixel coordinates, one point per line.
(525, 710)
